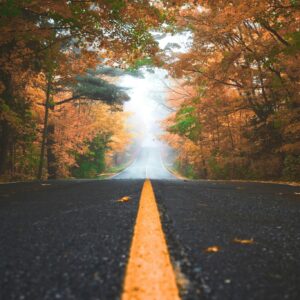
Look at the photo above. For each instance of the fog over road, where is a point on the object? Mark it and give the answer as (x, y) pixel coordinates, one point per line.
(148, 164)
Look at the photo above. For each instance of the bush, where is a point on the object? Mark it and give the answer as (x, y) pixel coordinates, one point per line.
(291, 170)
(91, 163)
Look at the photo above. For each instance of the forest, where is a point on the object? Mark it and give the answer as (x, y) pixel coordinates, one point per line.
(237, 102)
(61, 111)
(235, 95)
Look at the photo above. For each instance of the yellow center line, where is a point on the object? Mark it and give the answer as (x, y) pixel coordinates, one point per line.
(149, 273)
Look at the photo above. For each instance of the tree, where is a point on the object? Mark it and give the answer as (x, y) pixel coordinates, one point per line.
(245, 58)
(38, 37)
(86, 87)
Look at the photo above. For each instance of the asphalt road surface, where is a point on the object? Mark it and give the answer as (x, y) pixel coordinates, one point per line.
(148, 164)
(71, 239)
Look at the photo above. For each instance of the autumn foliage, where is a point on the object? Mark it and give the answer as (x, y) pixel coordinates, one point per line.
(236, 97)
(52, 111)
(240, 118)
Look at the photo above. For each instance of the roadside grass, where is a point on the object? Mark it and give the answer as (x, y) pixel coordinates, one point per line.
(175, 170)
(111, 171)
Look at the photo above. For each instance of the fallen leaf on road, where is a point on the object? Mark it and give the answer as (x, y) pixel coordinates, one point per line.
(124, 199)
(212, 249)
(244, 242)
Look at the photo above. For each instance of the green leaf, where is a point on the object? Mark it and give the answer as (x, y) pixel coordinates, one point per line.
(9, 9)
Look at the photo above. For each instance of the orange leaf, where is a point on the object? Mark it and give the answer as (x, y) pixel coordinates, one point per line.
(124, 199)
(244, 242)
(212, 249)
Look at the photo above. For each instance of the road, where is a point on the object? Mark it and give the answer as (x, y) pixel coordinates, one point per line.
(148, 164)
(72, 239)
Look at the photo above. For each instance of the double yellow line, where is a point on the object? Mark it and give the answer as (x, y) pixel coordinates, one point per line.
(149, 273)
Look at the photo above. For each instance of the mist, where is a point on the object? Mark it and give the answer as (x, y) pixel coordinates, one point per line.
(147, 108)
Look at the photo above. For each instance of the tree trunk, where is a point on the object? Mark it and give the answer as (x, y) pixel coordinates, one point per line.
(230, 133)
(51, 159)
(45, 129)
(204, 172)
(5, 129)
(4, 148)
(12, 160)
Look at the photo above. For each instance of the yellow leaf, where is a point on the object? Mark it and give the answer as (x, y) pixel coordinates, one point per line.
(212, 249)
(124, 199)
(244, 242)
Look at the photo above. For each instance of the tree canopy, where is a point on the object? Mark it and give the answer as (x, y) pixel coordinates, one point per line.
(47, 48)
(244, 70)
(60, 59)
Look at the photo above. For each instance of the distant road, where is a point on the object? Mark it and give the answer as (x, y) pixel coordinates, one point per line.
(148, 164)
(226, 241)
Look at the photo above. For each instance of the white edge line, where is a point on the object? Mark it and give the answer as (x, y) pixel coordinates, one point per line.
(111, 177)
(162, 163)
